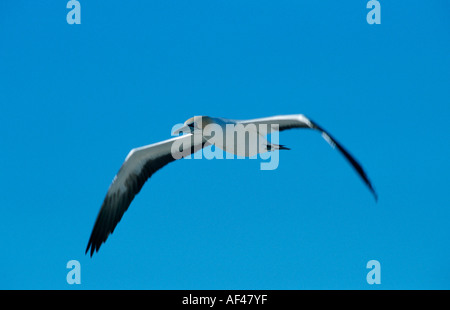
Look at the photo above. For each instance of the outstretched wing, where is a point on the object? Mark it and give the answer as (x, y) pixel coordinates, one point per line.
(285, 122)
(140, 164)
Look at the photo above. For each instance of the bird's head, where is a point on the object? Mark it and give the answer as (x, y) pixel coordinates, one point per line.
(193, 124)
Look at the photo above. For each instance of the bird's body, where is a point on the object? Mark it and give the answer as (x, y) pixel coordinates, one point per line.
(245, 138)
(199, 131)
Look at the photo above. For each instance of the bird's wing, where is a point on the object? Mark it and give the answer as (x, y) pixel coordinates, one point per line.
(140, 164)
(285, 122)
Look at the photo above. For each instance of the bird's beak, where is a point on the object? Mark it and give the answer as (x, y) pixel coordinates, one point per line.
(184, 129)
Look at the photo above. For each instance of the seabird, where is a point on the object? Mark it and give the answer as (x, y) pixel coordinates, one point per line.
(142, 162)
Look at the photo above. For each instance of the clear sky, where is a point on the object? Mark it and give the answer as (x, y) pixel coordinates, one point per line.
(74, 99)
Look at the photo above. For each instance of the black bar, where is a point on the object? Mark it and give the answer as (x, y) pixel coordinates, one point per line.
(225, 299)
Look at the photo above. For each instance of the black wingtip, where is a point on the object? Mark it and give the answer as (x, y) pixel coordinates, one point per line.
(92, 247)
(375, 195)
(89, 246)
(359, 169)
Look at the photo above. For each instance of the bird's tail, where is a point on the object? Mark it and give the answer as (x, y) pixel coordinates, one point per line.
(273, 147)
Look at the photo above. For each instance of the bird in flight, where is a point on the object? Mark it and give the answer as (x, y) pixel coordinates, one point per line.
(142, 162)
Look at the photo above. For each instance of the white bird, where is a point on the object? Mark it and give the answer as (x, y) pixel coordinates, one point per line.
(141, 163)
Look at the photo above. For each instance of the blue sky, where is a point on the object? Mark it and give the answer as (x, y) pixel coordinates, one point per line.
(74, 99)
